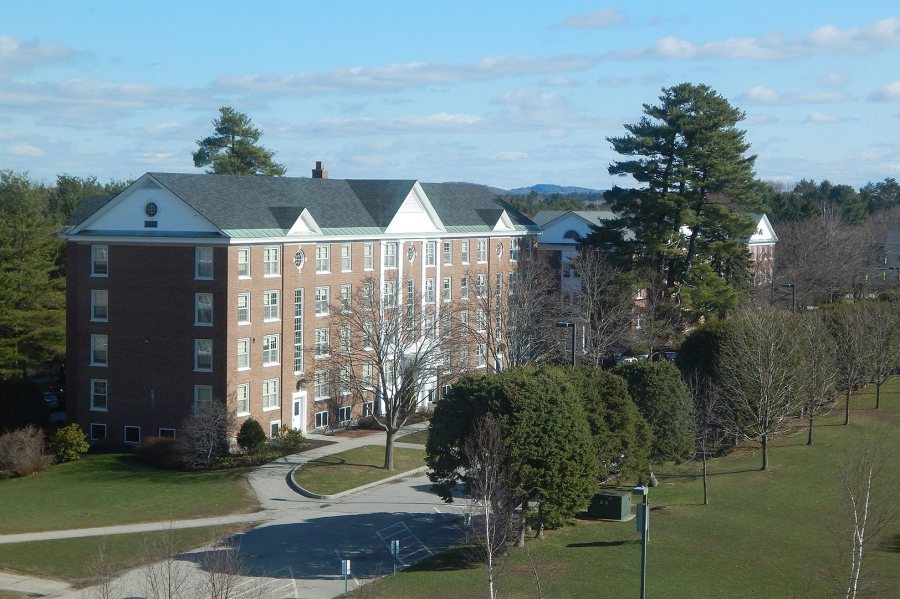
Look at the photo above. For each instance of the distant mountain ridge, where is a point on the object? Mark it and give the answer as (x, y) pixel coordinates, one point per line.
(546, 189)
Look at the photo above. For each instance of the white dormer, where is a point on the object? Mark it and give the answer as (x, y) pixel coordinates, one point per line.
(305, 225)
(765, 233)
(504, 223)
(146, 207)
(415, 214)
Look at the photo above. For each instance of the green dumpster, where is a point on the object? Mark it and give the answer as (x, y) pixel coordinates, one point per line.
(611, 505)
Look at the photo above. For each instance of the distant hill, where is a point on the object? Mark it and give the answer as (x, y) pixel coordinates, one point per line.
(546, 189)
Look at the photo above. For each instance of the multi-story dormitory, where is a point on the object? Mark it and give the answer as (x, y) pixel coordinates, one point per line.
(187, 288)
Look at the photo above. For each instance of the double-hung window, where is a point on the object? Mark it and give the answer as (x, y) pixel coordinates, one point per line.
(346, 263)
(270, 350)
(430, 249)
(368, 255)
(270, 394)
(320, 388)
(346, 297)
(464, 287)
(203, 309)
(344, 414)
(464, 251)
(323, 297)
(480, 358)
(99, 350)
(445, 295)
(368, 294)
(243, 263)
(203, 355)
(271, 262)
(99, 395)
(390, 254)
(345, 339)
(243, 308)
(480, 320)
(243, 354)
(202, 396)
(323, 257)
(321, 419)
(389, 294)
(513, 283)
(482, 250)
(242, 399)
(203, 263)
(429, 291)
(514, 249)
(448, 253)
(99, 305)
(498, 286)
(271, 309)
(323, 342)
(481, 284)
(345, 385)
(99, 260)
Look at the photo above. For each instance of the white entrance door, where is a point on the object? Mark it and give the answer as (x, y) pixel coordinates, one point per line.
(298, 414)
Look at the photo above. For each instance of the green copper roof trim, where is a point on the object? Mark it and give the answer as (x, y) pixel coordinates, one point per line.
(353, 231)
(253, 233)
(149, 233)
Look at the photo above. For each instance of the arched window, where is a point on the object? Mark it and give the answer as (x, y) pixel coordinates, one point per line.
(570, 234)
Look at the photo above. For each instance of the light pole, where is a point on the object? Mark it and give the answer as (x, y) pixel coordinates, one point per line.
(643, 526)
(793, 295)
(568, 324)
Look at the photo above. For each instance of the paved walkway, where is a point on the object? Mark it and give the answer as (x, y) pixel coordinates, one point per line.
(281, 507)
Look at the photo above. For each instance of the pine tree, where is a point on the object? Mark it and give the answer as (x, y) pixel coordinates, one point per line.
(234, 149)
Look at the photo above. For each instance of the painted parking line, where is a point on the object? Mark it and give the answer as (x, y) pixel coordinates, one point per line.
(411, 548)
(281, 585)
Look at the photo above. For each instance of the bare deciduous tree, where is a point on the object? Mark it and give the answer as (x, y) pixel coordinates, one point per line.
(884, 338)
(165, 576)
(761, 374)
(709, 431)
(870, 498)
(602, 303)
(223, 569)
(397, 349)
(488, 483)
(849, 326)
(819, 368)
(103, 574)
(206, 433)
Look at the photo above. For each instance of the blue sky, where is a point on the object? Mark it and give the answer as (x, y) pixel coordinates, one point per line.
(502, 93)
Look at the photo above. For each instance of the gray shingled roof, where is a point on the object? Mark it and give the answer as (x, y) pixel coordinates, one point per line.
(231, 202)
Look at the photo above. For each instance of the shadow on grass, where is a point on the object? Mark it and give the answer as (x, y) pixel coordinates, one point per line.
(604, 543)
(891, 544)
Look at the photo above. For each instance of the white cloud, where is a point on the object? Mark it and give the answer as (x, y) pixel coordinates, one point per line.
(394, 77)
(828, 39)
(597, 19)
(560, 81)
(833, 79)
(510, 155)
(22, 57)
(763, 95)
(365, 125)
(24, 150)
(821, 117)
(888, 93)
(760, 94)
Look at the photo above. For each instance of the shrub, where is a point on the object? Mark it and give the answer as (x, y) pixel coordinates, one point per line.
(161, 452)
(251, 436)
(205, 434)
(69, 442)
(368, 423)
(246, 460)
(288, 441)
(22, 451)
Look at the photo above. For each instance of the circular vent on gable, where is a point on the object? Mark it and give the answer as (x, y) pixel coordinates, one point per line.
(151, 209)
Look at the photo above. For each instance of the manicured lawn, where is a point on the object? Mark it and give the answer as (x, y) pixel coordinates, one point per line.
(765, 534)
(354, 468)
(108, 489)
(72, 559)
(419, 437)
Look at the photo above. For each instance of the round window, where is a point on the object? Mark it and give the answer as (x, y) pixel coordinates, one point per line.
(151, 209)
(411, 253)
(299, 259)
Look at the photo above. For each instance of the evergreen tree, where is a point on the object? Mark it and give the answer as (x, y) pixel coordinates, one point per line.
(234, 149)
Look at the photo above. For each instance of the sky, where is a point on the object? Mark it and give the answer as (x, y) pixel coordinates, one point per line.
(497, 92)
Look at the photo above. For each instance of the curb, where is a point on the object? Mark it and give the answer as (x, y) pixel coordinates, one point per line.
(297, 488)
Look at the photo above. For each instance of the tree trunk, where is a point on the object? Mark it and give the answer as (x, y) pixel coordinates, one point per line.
(705, 491)
(540, 530)
(389, 449)
(520, 542)
(809, 439)
(877, 395)
(765, 452)
(847, 408)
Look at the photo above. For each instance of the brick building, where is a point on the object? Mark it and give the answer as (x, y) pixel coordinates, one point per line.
(191, 288)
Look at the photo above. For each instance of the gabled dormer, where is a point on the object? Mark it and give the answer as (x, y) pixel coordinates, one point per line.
(305, 225)
(415, 214)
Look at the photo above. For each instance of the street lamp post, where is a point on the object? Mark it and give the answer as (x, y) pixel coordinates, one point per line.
(793, 295)
(643, 525)
(568, 324)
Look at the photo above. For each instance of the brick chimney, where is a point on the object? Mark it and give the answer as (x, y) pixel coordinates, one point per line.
(319, 172)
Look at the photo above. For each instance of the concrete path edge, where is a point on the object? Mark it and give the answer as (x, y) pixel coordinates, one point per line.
(297, 488)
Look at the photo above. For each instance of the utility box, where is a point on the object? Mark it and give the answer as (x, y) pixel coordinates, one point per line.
(611, 505)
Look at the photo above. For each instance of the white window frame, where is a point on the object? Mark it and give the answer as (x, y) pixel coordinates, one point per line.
(243, 354)
(345, 380)
(481, 251)
(201, 310)
(242, 399)
(446, 292)
(346, 297)
(368, 408)
(271, 305)
(323, 258)
(480, 355)
(272, 261)
(98, 426)
(245, 297)
(274, 428)
(323, 299)
(200, 346)
(321, 419)
(321, 382)
(389, 260)
(202, 394)
(368, 256)
(270, 394)
(481, 284)
(203, 263)
(99, 343)
(100, 261)
(125, 434)
(513, 249)
(389, 294)
(464, 287)
(346, 257)
(322, 342)
(95, 383)
(243, 263)
(430, 253)
(429, 293)
(448, 253)
(97, 306)
(345, 339)
(464, 251)
(270, 352)
(344, 414)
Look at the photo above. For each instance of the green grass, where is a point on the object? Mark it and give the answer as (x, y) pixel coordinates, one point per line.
(419, 437)
(73, 559)
(354, 468)
(764, 534)
(109, 489)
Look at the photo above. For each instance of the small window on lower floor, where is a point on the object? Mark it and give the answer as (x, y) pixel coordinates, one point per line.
(344, 414)
(445, 391)
(167, 433)
(321, 419)
(132, 434)
(274, 428)
(98, 432)
(368, 408)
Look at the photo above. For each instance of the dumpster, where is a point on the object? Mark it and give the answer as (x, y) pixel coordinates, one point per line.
(611, 505)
